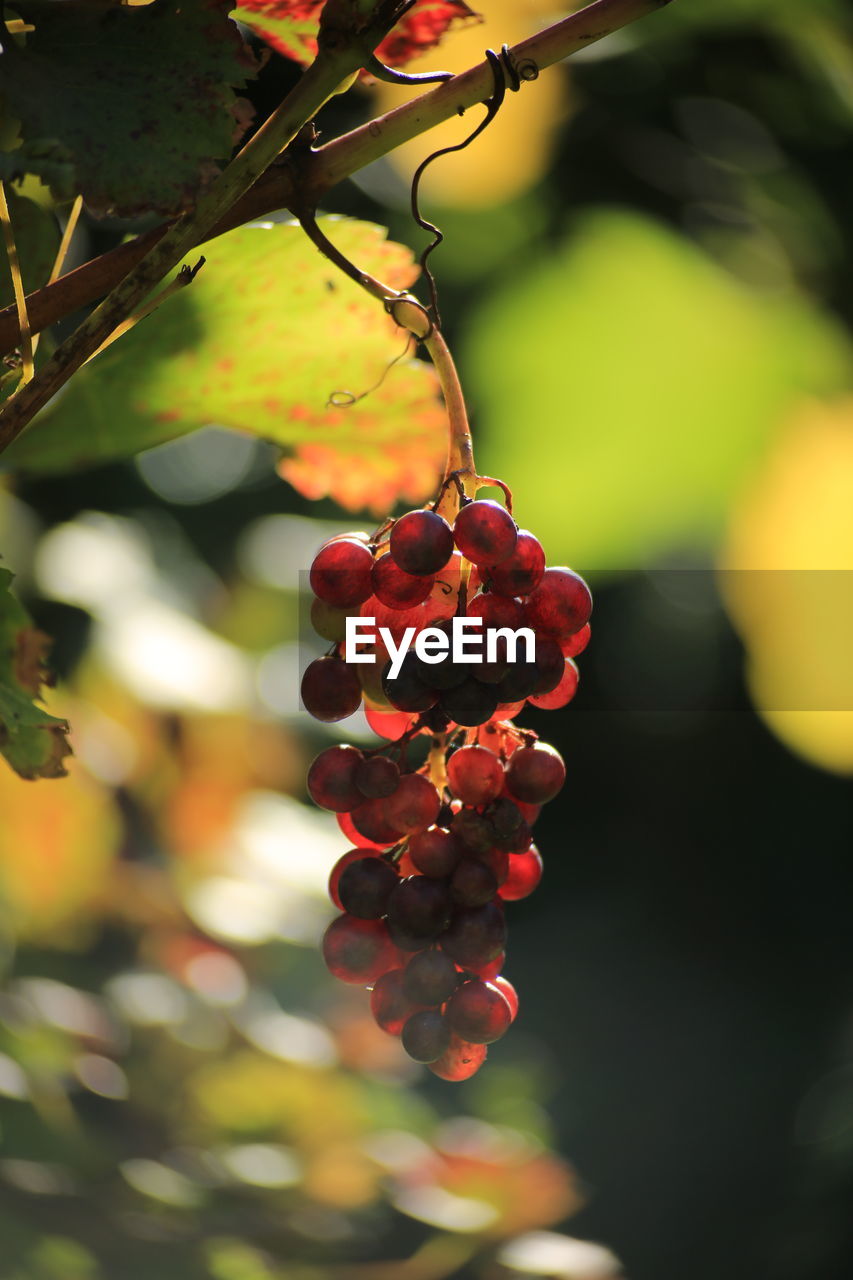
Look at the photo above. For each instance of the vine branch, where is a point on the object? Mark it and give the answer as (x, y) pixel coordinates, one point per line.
(329, 164)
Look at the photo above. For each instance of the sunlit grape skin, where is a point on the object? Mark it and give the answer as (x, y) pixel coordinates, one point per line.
(523, 875)
(396, 588)
(523, 570)
(459, 1061)
(341, 573)
(485, 532)
(421, 542)
(475, 774)
(560, 605)
(479, 1012)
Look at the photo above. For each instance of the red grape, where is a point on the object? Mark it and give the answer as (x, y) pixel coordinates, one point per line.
(473, 883)
(475, 775)
(426, 1035)
(390, 1008)
(560, 605)
(475, 935)
(396, 588)
(434, 852)
(330, 690)
(430, 978)
(485, 532)
(376, 777)
(525, 872)
(341, 571)
(414, 805)
(421, 542)
(331, 779)
(479, 1012)
(358, 951)
(370, 819)
(352, 855)
(418, 908)
(365, 887)
(523, 570)
(562, 693)
(573, 645)
(459, 1061)
(536, 773)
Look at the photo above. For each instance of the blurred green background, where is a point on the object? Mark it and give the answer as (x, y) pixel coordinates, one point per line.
(647, 276)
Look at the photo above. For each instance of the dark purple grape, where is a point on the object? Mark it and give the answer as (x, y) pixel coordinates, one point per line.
(472, 883)
(470, 703)
(430, 978)
(420, 907)
(535, 774)
(426, 1035)
(330, 690)
(473, 830)
(409, 690)
(365, 887)
(370, 820)
(376, 777)
(332, 779)
(414, 805)
(475, 935)
(550, 665)
(435, 852)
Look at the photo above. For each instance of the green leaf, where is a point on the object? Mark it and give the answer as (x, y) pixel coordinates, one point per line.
(267, 331)
(626, 385)
(32, 741)
(36, 240)
(141, 97)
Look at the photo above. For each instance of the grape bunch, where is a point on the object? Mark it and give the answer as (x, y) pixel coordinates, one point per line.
(439, 849)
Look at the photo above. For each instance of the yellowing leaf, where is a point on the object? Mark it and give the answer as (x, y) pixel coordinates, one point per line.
(265, 334)
(32, 741)
(788, 583)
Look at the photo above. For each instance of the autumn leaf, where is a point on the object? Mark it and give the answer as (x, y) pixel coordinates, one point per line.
(260, 341)
(32, 741)
(290, 27)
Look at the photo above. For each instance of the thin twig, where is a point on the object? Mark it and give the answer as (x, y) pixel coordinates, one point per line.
(26, 337)
(65, 242)
(185, 276)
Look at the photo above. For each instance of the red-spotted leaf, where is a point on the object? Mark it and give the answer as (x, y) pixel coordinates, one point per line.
(267, 332)
(290, 27)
